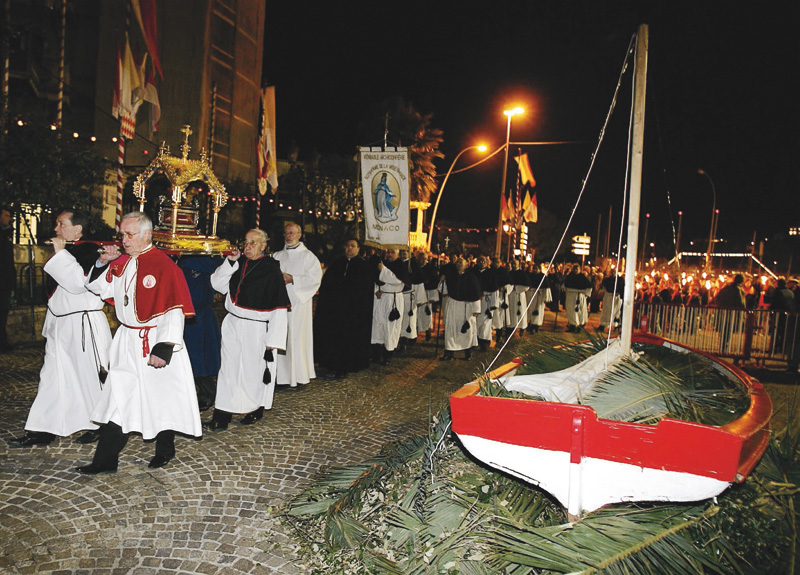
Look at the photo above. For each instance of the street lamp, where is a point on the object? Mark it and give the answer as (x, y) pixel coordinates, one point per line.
(702, 172)
(481, 148)
(510, 114)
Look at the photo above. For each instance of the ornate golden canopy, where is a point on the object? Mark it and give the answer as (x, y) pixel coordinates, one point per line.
(181, 173)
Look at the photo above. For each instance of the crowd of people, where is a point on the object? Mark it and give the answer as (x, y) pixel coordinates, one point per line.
(170, 360)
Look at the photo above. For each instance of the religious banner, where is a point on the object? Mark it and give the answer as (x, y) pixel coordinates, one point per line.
(385, 184)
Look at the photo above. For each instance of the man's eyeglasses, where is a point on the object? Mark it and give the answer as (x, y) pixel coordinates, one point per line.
(253, 243)
(129, 235)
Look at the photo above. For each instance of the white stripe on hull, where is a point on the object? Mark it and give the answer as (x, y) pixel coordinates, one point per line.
(586, 486)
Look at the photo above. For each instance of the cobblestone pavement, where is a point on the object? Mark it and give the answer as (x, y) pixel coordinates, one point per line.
(209, 510)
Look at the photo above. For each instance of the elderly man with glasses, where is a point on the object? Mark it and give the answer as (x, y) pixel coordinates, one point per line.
(257, 304)
(150, 387)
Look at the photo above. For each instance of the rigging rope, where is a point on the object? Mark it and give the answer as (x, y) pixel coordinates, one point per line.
(601, 137)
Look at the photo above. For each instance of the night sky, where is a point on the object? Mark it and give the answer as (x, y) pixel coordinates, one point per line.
(718, 98)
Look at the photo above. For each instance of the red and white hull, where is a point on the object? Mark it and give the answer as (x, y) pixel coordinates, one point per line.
(587, 462)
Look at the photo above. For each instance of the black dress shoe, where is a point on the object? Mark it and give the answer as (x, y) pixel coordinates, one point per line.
(214, 425)
(158, 461)
(252, 417)
(94, 469)
(89, 437)
(32, 439)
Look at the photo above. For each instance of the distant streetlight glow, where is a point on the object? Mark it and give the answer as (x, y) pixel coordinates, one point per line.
(498, 241)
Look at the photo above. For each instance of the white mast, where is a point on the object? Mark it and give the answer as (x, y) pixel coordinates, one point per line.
(640, 84)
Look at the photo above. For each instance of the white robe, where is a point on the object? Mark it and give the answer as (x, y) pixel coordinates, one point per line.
(137, 396)
(413, 301)
(457, 313)
(502, 317)
(246, 334)
(385, 332)
(297, 366)
(483, 322)
(517, 305)
(575, 305)
(78, 339)
(424, 308)
(536, 309)
(612, 305)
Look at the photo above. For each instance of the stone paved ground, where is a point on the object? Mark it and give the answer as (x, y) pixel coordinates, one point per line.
(208, 511)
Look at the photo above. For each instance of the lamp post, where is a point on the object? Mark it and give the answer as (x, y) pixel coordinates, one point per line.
(678, 239)
(702, 172)
(480, 148)
(510, 114)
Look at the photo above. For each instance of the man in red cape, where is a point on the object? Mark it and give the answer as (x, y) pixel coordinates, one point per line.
(150, 387)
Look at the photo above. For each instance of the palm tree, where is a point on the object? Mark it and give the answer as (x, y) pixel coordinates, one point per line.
(403, 125)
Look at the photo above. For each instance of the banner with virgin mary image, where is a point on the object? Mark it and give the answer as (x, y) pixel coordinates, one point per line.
(385, 184)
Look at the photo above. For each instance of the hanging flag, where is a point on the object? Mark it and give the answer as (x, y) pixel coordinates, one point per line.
(267, 159)
(504, 208)
(525, 172)
(130, 81)
(117, 101)
(151, 97)
(140, 65)
(531, 209)
(145, 11)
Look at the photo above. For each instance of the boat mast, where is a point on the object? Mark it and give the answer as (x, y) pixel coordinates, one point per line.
(639, 86)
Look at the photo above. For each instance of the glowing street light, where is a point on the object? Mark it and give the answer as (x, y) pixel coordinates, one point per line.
(481, 148)
(510, 114)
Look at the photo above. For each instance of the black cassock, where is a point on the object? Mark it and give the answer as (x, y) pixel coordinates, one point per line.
(343, 316)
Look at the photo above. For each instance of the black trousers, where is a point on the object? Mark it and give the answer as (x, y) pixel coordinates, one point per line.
(113, 440)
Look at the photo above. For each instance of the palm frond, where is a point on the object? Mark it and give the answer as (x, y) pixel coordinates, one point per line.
(424, 507)
(343, 530)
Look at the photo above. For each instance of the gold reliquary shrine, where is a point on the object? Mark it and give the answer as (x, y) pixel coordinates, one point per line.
(186, 197)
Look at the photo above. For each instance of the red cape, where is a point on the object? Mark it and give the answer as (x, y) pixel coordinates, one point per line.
(160, 284)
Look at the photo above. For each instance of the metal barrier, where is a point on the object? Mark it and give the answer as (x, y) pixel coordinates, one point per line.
(26, 293)
(736, 333)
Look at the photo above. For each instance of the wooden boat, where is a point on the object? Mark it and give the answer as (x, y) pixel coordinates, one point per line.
(587, 462)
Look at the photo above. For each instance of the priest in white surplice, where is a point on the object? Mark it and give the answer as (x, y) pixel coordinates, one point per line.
(77, 336)
(150, 386)
(302, 273)
(252, 332)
